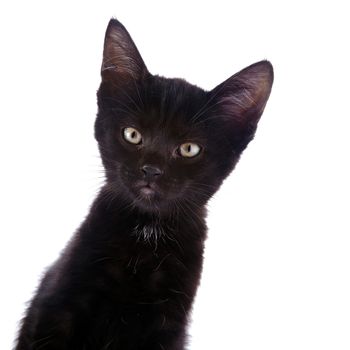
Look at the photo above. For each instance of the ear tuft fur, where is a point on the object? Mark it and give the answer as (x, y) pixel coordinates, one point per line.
(121, 59)
(240, 102)
(244, 95)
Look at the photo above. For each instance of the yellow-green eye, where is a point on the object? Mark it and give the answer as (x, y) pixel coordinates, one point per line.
(132, 135)
(189, 149)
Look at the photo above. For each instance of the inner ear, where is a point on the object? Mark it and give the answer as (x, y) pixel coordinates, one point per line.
(121, 59)
(242, 97)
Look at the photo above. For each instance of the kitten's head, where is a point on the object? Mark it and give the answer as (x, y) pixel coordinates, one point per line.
(164, 142)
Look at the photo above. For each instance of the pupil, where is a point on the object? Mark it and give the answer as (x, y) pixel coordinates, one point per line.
(133, 134)
(189, 148)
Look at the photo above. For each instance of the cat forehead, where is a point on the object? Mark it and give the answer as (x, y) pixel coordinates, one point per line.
(174, 100)
(162, 102)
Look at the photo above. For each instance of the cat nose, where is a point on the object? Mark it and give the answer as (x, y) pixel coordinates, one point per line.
(151, 171)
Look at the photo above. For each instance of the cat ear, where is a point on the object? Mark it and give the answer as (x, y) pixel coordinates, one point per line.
(241, 99)
(121, 59)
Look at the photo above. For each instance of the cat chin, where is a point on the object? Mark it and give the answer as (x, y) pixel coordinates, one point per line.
(149, 200)
(145, 198)
(148, 204)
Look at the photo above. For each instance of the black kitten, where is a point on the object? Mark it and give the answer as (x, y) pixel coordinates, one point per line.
(128, 278)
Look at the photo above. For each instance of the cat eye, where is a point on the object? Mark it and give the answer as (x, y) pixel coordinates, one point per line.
(132, 135)
(189, 149)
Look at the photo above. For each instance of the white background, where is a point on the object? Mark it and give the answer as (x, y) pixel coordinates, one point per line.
(276, 273)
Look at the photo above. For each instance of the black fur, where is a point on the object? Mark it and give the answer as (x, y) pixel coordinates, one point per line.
(128, 278)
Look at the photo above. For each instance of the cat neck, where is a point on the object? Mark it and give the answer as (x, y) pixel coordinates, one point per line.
(116, 203)
(110, 213)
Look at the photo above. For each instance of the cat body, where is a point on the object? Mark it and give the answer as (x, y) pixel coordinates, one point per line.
(128, 278)
(120, 289)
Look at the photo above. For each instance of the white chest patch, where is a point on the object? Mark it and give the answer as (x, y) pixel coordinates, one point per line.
(150, 232)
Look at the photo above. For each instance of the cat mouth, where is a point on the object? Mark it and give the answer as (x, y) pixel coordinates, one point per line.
(146, 189)
(147, 195)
